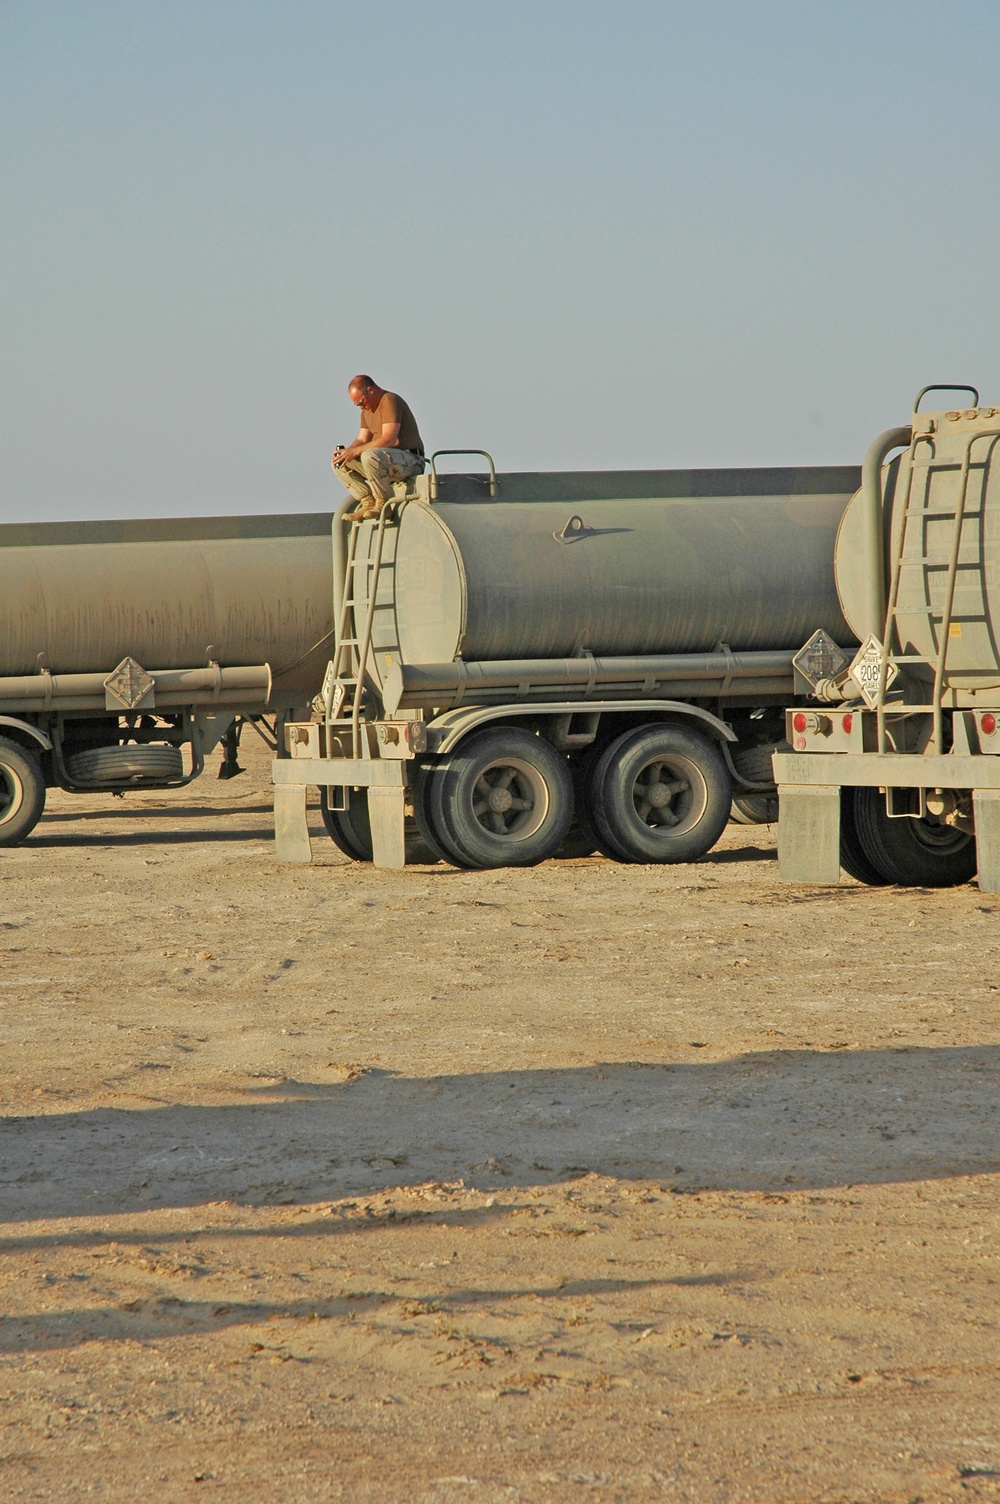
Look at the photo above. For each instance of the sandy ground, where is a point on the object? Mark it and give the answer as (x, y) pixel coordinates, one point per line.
(587, 1182)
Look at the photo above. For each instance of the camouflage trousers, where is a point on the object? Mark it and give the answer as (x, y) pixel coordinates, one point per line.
(372, 474)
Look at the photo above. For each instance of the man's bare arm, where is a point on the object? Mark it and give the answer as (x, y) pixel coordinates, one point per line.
(364, 440)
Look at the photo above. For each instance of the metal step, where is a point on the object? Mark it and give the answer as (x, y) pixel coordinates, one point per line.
(935, 611)
(926, 561)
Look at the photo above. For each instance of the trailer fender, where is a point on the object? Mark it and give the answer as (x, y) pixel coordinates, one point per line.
(447, 730)
(27, 730)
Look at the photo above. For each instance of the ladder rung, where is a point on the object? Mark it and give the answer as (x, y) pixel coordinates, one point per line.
(950, 512)
(962, 616)
(936, 611)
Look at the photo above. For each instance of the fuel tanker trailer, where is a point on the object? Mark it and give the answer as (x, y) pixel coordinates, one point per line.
(532, 664)
(892, 772)
(129, 650)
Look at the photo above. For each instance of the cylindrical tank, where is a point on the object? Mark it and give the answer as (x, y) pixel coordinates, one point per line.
(617, 564)
(949, 468)
(79, 597)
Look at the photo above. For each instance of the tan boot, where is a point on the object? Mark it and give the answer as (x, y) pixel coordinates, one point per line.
(362, 511)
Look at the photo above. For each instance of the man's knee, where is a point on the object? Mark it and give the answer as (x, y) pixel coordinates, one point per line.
(375, 461)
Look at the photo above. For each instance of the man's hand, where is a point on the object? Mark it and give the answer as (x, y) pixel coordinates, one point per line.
(341, 455)
(387, 439)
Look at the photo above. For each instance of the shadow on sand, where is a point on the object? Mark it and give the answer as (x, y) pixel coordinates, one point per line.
(768, 1121)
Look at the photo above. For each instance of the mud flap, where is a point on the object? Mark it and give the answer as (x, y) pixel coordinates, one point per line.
(986, 808)
(809, 834)
(291, 829)
(387, 817)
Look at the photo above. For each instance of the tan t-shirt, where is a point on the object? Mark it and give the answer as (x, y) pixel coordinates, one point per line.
(393, 409)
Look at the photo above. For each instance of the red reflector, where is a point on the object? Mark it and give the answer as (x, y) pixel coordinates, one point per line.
(798, 721)
(848, 722)
(989, 723)
(800, 743)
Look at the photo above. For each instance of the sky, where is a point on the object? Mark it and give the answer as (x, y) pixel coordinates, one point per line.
(580, 235)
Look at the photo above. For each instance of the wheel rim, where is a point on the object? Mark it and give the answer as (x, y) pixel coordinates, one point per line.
(11, 794)
(510, 799)
(669, 795)
(941, 839)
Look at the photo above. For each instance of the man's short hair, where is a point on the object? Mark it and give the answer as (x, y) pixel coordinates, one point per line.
(359, 383)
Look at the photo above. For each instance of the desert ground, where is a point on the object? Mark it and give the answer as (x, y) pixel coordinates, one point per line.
(587, 1182)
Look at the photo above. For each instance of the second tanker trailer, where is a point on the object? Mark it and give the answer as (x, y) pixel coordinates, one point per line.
(128, 650)
(525, 659)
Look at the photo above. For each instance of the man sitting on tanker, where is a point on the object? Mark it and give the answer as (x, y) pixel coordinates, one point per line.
(388, 448)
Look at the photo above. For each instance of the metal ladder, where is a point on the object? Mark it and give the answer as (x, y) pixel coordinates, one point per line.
(905, 558)
(349, 666)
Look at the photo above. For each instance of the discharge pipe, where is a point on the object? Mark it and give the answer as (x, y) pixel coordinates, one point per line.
(873, 563)
(173, 689)
(408, 685)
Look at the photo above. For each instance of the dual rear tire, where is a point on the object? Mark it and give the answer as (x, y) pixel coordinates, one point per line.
(351, 831)
(656, 794)
(659, 794)
(505, 799)
(922, 853)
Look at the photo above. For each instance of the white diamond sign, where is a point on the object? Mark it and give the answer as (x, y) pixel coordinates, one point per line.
(866, 669)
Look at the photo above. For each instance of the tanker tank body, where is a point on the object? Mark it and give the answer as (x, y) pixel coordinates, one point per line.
(122, 643)
(610, 651)
(896, 778)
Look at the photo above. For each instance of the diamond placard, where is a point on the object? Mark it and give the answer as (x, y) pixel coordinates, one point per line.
(821, 658)
(866, 668)
(129, 687)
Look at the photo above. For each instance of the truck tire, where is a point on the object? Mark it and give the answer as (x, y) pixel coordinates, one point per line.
(350, 829)
(755, 764)
(578, 843)
(853, 859)
(426, 777)
(852, 854)
(912, 853)
(504, 800)
(662, 793)
(582, 769)
(22, 792)
(152, 762)
(755, 809)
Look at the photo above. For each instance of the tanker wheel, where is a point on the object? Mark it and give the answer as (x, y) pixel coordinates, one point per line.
(582, 770)
(351, 830)
(661, 794)
(754, 763)
(504, 800)
(578, 843)
(426, 783)
(755, 809)
(910, 852)
(852, 854)
(582, 839)
(22, 792)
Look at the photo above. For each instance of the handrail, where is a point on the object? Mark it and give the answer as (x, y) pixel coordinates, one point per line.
(946, 386)
(874, 560)
(340, 559)
(434, 475)
(364, 647)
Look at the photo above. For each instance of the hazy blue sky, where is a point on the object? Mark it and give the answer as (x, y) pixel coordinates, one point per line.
(578, 234)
